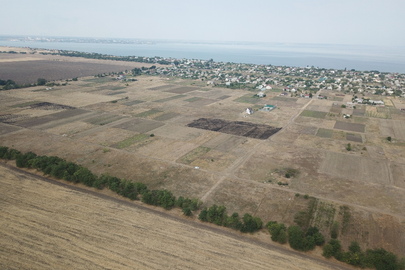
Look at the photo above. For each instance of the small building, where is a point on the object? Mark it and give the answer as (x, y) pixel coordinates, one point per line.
(268, 108)
(261, 95)
(249, 111)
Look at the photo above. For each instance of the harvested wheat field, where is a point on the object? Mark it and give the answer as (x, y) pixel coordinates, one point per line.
(51, 226)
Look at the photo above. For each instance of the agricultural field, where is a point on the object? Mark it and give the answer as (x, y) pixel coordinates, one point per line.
(198, 141)
(82, 229)
(27, 68)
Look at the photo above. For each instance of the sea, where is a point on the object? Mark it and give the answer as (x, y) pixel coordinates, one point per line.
(361, 58)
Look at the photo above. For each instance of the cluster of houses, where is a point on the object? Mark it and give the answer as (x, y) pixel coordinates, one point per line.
(294, 80)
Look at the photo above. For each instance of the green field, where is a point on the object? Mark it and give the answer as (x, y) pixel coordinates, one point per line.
(131, 140)
(148, 113)
(194, 154)
(324, 133)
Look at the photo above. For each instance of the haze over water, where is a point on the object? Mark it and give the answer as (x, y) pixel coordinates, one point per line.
(364, 58)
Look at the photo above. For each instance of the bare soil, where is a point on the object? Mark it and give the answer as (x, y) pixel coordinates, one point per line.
(239, 128)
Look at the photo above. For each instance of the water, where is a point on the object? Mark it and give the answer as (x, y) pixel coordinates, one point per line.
(385, 59)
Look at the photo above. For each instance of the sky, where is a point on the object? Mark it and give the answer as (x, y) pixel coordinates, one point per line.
(357, 22)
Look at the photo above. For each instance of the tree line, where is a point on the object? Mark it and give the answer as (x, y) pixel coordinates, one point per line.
(72, 172)
(300, 237)
(10, 84)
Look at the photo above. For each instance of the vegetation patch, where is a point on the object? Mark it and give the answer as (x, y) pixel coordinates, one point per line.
(103, 119)
(193, 99)
(194, 154)
(170, 98)
(355, 127)
(131, 140)
(133, 102)
(148, 113)
(354, 137)
(248, 98)
(324, 133)
(116, 93)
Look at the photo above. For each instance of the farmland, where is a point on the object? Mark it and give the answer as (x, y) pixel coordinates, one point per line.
(193, 139)
(79, 229)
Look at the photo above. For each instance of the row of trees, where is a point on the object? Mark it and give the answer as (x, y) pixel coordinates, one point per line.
(217, 215)
(141, 59)
(10, 84)
(69, 171)
(300, 237)
(378, 258)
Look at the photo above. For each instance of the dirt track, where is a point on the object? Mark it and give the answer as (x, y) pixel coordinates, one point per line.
(47, 224)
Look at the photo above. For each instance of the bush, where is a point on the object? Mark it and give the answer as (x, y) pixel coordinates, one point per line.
(278, 232)
(251, 224)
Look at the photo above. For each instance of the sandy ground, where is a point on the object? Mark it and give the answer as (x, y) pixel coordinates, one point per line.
(48, 226)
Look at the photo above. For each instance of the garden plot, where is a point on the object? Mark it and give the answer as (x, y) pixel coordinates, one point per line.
(140, 125)
(163, 148)
(239, 128)
(198, 102)
(37, 121)
(314, 114)
(127, 142)
(336, 109)
(324, 133)
(170, 98)
(4, 128)
(70, 128)
(320, 105)
(225, 142)
(149, 113)
(207, 158)
(181, 90)
(133, 102)
(398, 172)
(372, 111)
(359, 111)
(392, 128)
(355, 127)
(301, 129)
(248, 98)
(223, 97)
(354, 137)
(116, 93)
(103, 119)
(285, 99)
(108, 136)
(166, 116)
(356, 168)
(176, 132)
(162, 87)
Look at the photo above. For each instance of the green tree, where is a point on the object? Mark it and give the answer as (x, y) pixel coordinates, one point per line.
(41, 81)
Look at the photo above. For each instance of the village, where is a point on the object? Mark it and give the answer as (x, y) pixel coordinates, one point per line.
(295, 81)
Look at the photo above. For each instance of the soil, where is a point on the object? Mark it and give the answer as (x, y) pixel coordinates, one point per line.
(239, 128)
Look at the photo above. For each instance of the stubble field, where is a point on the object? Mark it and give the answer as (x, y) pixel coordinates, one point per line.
(47, 226)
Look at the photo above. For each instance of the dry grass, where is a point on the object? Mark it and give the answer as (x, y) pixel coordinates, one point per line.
(44, 226)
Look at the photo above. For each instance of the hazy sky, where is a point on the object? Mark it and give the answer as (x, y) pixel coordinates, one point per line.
(373, 22)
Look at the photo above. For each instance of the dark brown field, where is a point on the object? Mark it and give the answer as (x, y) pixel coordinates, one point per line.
(239, 128)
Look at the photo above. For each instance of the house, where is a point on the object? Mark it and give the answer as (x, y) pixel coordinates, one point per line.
(261, 95)
(249, 111)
